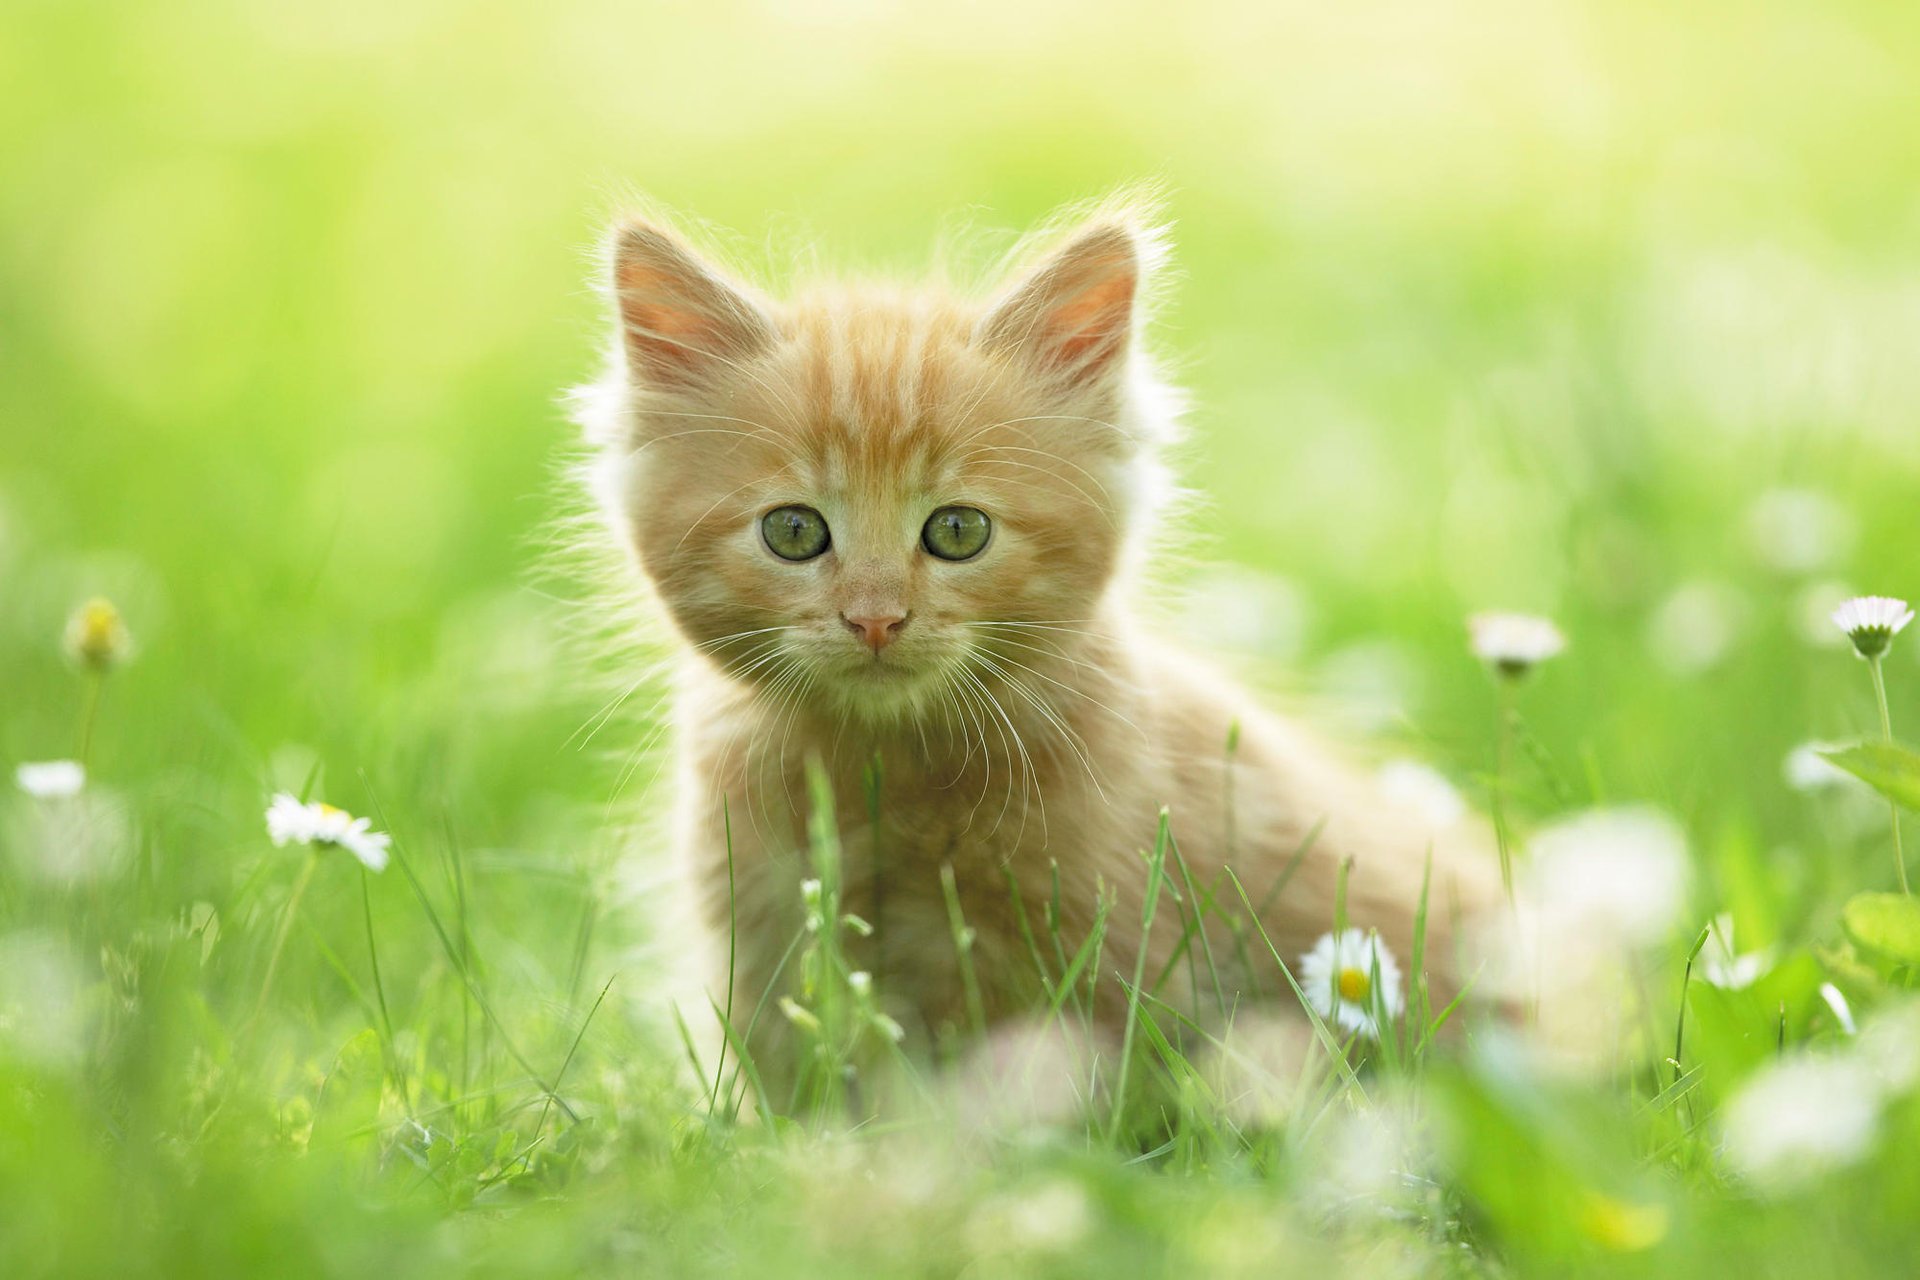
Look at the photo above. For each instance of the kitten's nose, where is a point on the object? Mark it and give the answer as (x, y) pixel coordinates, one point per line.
(876, 631)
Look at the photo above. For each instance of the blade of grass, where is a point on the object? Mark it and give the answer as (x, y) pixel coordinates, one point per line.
(1156, 872)
(733, 952)
(379, 987)
(1333, 1047)
(453, 957)
(552, 1096)
(963, 937)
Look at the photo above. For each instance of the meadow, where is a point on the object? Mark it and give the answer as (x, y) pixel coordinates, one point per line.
(1600, 313)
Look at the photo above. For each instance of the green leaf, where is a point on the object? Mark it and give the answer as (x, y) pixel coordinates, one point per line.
(1887, 923)
(1887, 767)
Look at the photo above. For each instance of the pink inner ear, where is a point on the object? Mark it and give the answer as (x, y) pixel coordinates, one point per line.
(678, 320)
(667, 336)
(1073, 316)
(1090, 329)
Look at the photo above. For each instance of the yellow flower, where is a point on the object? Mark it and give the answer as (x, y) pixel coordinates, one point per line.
(97, 636)
(1621, 1226)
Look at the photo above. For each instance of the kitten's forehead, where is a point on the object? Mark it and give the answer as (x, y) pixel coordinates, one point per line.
(886, 377)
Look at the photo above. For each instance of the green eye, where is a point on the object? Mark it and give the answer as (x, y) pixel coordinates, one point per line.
(956, 533)
(795, 533)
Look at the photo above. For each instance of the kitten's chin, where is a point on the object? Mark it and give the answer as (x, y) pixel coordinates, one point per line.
(884, 692)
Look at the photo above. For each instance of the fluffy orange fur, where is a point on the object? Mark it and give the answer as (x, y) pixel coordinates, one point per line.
(1025, 724)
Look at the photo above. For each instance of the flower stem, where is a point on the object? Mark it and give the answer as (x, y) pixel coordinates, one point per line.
(286, 927)
(1893, 809)
(1503, 687)
(89, 712)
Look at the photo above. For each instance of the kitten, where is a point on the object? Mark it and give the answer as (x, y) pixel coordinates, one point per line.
(898, 528)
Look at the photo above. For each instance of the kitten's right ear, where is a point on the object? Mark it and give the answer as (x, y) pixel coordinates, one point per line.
(680, 322)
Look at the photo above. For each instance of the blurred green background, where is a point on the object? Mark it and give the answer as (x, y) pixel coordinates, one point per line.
(1604, 311)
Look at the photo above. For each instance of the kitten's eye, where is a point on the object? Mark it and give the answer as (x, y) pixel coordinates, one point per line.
(956, 533)
(795, 533)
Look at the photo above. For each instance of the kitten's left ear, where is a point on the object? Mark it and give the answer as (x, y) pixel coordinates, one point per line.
(1072, 317)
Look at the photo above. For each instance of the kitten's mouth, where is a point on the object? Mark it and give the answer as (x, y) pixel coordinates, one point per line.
(880, 667)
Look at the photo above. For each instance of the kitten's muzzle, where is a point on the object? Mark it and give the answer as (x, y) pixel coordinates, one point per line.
(876, 631)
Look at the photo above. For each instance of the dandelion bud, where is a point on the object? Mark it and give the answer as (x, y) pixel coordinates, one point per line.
(97, 636)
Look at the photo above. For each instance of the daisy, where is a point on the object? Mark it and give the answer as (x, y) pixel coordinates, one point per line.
(1800, 1117)
(1872, 622)
(1513, 643)
(51, 779)
(291, 822)
(1351, 980)
(1422, 790)
(1614, 873)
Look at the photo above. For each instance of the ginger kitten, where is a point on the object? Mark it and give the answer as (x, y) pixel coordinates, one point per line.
(899, 526)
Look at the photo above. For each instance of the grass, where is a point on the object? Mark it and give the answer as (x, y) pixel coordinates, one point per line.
(1522, 308)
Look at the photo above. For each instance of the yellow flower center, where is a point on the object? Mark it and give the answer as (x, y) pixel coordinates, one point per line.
(1354, 985)
(332, 812)
(97, 635)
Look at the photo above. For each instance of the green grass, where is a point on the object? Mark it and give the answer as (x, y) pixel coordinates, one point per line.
(1521, 306)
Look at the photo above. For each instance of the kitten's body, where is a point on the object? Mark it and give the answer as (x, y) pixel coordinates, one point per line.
(1026, 728)
(1159, 736)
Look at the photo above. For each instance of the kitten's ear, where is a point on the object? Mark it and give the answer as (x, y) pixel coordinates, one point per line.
(1073, 316)
(680, 321)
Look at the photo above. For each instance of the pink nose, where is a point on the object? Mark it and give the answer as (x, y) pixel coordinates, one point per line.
(876, 632)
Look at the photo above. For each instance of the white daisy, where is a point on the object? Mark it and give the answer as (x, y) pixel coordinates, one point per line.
(291, 822)
(1614, 873)
(51, 779)
(1889, 1046)
(1513, 643)
(1726, 968)
(1351, 980)
(1423, 790)
(1872, 622)
(1800, 1117)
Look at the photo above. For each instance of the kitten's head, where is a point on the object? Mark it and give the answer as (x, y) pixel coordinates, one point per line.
(863, 494)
